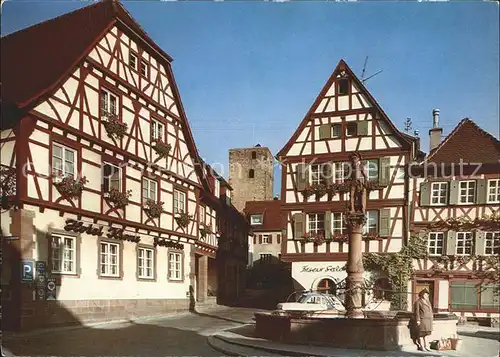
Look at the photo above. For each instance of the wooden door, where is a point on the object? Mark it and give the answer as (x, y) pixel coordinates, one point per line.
(429, 285)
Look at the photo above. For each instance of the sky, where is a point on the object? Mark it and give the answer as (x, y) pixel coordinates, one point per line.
(248, 71)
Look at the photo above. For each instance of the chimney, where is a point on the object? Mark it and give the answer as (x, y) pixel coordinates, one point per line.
(436, 132)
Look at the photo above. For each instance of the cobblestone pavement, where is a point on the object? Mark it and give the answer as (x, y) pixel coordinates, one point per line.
(183, 335)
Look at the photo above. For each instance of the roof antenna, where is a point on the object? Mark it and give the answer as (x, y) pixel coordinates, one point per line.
(363, 79)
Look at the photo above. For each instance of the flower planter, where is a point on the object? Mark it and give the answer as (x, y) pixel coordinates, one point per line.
(70, 187)
(119, 199)
(114, 127)
(183, 219)
(161, 148)
(153, 209)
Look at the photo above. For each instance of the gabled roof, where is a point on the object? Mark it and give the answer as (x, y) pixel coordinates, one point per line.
(35, 59)
(271, 211)
(469, 143)
(342, 65)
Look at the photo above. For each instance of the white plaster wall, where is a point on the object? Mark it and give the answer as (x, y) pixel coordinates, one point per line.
(443, 288)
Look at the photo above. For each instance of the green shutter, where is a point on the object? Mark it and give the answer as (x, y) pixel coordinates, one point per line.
(328, 224)
(453, 199)
(385, 222)
(451, 242)
(384, 171)
(481, 192)
(299, 223)
(301, 176)
(362, 128)
(325, 131)
(425, 194)
(479, 242)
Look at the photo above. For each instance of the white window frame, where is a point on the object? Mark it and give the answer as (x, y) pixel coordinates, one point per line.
(318, 174)
(370, 165)
(175, 266)
(63, 254)
(146, 69)
(265, 258)
(177, 200)
(142, 263)
(338, 218)
(64, 161)
(438, 192)
(149, 189)
(493, 191)
(469, 198)
(490, 238)
(108, 106)
(433, 241)
(130, 56)
(157, 129)
(372, 217)
(265, 239)
(256, 219)
(112, 179)
(340, 168)
(314, 221)
(202, 215)
(108, 264)
(466, 238)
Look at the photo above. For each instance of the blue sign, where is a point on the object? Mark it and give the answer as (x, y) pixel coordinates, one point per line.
(27, 272)
(40, 267)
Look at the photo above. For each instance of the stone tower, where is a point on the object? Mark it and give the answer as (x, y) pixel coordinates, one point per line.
(251, 175)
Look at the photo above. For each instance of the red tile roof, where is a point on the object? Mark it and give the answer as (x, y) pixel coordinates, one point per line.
(467, 142)
(35, 59)
(271, 211)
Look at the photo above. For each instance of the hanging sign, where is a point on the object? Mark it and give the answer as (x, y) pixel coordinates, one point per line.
(95, 230)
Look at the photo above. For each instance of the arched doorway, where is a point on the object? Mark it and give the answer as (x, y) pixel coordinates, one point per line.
(327, 286)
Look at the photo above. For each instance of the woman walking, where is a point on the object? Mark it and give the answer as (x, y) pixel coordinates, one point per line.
(423, 319)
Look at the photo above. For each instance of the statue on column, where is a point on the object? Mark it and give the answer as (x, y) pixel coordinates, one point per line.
(358, 192)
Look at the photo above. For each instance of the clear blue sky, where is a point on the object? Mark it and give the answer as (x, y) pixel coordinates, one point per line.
(249, 71)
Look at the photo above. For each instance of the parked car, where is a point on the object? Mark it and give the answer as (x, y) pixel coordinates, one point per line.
(313, 301)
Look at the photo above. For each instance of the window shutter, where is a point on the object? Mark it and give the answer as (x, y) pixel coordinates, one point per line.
(254, 239)
(325, 131)
(451, 242)
(362, 128)
(481, 192)
(384, 171)
(260, 238)
(298, 225)
(328, 224)
(479, 242)
(329, 172)
(278, 238)
(425, 194)
(453, 199)
(270, 239)
(385, 222)
(301, 176)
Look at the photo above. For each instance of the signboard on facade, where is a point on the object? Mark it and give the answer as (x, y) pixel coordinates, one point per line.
(324, 269)
(51, 289)
(40, 267)
(97, 230)
(27, 271)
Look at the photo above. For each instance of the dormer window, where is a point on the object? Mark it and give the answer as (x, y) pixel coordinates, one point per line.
(132, 61)
(255, 219)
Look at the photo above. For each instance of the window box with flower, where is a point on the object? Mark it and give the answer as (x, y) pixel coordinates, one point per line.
(339, 237)
(70, 187)
(114, 126)
(183, 219)
(205, 231)
(153, 208)
(118, 198)
(161, 148)
(371, 236)
(307, 192)
(319, 190)
(340, 187)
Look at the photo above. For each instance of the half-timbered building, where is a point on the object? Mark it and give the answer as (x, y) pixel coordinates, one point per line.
(344, 119)
(108, 179)
(458, 179)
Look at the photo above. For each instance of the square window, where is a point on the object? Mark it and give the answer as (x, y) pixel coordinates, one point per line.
(439, 193)
(112, 177)
(464, 243)
(63, 161)
(339, 226)
(157, 130)
(109, 259)
(265, 239)
(371, 225)
(492, 243)
(109, 103)
(316, 223)
(494, 191)
(371, 168)
(351, 129)
(319, 173)
(435, 243)
(256, 219)
(179, 201)
(149, 189)
(63, 254)
(336, 130)
(175, 266)
(145, 263)
(467, 192)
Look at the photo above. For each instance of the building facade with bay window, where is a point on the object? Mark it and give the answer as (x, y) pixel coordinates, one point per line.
(344, 119)
(458, 179)
(101, 178)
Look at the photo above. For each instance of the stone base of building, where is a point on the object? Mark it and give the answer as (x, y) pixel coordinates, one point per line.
(48, 314)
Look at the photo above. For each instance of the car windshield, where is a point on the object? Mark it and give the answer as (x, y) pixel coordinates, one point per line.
(302, 298)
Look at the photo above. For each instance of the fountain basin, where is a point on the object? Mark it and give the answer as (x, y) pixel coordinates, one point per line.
(386, 330)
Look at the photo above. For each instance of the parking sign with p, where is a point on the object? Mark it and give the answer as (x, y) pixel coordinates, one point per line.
(27, 273)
